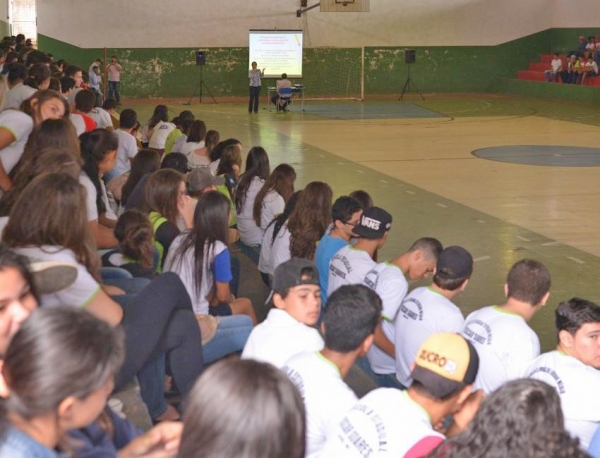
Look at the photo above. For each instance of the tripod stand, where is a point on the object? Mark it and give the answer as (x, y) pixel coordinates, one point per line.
(407, 85)
(201, 85)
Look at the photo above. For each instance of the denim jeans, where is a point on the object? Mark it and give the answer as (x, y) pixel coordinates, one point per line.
(113, 90)
(382, 380)
(231, 336)
(251, 251)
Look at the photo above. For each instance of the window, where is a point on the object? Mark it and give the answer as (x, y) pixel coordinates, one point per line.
(23, 18)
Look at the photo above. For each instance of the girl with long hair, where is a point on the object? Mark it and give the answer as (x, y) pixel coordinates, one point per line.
(202, 259)
(217, 152)
(521, 418)
(272, 197)
(165, 201)
(244, 408)
(307, 224)
(99, 154)
(144, 163)
(159, 129)
(271, 233)
(211, 140)
(250, 183)
(160, 114)
(16, 126)
(48, 222)
(194, 148)
(59, 371)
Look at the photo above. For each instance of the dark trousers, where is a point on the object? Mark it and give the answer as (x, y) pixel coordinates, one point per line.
(160, 321)
(254, 95)
(113, 90)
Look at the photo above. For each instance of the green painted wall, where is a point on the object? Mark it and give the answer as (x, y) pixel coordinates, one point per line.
(567, 92)
(172, 72)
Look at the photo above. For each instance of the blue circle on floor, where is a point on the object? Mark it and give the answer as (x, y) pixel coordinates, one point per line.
(558, 156)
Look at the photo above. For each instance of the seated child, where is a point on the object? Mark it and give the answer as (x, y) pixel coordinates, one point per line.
(288, 329)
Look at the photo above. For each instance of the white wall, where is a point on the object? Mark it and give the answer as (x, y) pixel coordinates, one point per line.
(214, 23)
(575, 13)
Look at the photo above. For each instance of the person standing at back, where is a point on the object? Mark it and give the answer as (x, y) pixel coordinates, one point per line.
(114, 70)
(505, 343)
(255, 75)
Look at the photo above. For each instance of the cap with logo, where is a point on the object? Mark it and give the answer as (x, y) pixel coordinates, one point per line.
(295, 272)
(201, 178)
(445, 362)
(454, 262)
(374, 223)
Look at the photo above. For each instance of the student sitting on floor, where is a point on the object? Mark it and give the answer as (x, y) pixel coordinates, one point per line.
(573, 368)
(388, 280)
(429, 310)
(514, 344)
(390, 423)
(287, 330)
(350, 319)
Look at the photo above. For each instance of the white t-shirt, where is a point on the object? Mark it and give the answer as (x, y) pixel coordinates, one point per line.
(349, 266)
(20, 125)
(160, 133)
(280, 251)
(78, 122)
(423, 312)
(272, 206)
(80, 293)
(178, 145)
(185, 269)
(264, 259)
(280, 337)
(388, 281)
(90, 201)
(577, 384)
(127, 150)
(556, 65)
(506, 345)
(386, 423)
(250, 233)
(17, 95)
(326, 397)
(189, 147)
(102, 118)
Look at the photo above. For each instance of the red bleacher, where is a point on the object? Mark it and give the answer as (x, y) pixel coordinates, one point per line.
(536, 70)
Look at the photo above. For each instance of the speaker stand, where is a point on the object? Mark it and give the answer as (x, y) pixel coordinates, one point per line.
(407, 86)
(201, 85)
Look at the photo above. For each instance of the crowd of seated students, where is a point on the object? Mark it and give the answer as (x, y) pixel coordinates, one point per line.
(578, 65)
(116, 265)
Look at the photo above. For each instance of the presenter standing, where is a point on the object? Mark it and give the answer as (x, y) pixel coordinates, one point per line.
(255, 75)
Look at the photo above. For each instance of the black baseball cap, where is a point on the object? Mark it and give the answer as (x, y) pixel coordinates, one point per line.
(295, 272)
(454, 262)
(374, 223)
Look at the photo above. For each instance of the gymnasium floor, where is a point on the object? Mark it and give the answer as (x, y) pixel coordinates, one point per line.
(415, 159)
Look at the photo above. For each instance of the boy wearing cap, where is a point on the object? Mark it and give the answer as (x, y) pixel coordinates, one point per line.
(349, 323)
(573, 368)
(426, 311)
(200, 180)
(505, 343)
(287, 329)
(388, 280)
(345, 212)
(351, 263)
(390, 423)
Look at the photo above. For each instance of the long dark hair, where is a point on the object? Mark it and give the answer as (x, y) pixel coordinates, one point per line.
(58, 353)
(265, 415)
(310, 219)
(51, 211)
(232, 155)
(211, 223)
(217, 151)
(161, 193)
(522, 418)
(135, 235)
(281, 181)
(95, 146)
(279, 220)
(144, 162)
(257, 165)
(161, 113)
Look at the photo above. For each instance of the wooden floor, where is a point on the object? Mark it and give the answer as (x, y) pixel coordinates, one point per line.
(422, 170)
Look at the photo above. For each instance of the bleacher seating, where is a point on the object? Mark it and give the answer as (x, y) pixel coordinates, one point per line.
(536, 70)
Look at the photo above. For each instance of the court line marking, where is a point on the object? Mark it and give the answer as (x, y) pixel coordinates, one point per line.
(577, 260)
(523, 238)
(480, 221)
(410, 192)
(442, 205)
(383, 181)
(551, 244)
(482, 258)
(360, 171)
